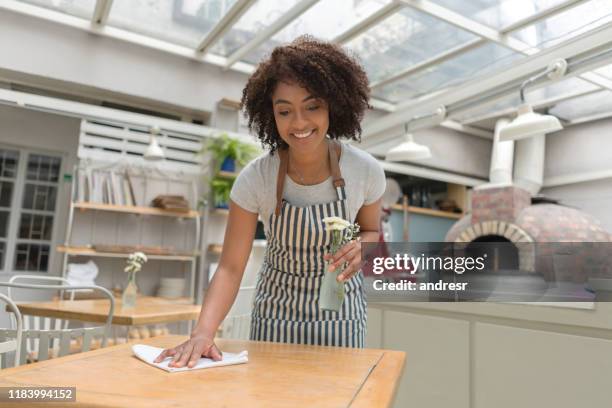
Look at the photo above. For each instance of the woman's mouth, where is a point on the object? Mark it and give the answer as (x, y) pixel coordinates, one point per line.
(303, 135)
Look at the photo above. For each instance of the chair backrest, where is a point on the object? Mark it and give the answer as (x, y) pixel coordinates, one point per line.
(14, 344)
(47, 337)
(37, 322)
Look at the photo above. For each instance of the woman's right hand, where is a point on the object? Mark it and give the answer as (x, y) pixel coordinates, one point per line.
(190, 351)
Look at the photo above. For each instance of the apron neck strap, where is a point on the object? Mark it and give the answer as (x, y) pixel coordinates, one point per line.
(334, 149)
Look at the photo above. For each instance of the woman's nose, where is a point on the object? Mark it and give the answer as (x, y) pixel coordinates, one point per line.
(299, 121)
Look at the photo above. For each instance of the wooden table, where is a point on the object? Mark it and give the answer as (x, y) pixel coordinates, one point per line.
(148, 310)
(277, 375)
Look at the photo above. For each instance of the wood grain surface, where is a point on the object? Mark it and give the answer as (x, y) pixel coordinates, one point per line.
(148, 310)
(277, 375)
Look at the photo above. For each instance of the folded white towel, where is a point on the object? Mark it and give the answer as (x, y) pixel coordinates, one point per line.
(148, 354)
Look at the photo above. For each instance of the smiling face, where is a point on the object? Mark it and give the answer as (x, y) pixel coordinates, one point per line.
(301, 118)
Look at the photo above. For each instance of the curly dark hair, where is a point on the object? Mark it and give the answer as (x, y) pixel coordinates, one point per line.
(325, 70)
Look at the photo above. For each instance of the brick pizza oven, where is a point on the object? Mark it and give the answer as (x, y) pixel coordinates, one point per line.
(510, 214)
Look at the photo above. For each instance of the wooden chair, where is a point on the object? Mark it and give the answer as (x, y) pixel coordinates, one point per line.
(47, 337)
(14, 344)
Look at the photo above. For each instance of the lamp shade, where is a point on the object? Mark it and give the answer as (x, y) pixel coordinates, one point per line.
(154, 152)
(528, 124)
(408, 150)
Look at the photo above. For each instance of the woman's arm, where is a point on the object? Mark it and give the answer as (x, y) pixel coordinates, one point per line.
(221, 293)
(237, 245)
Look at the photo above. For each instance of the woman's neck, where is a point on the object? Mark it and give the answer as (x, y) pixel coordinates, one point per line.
(311, 160)
(311, 168)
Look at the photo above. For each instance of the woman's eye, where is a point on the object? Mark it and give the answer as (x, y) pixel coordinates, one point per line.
(313, 108)
(283, 113)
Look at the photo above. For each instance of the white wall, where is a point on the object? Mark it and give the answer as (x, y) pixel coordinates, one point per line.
(581, 149)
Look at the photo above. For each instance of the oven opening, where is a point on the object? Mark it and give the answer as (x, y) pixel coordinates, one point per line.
(500, 253)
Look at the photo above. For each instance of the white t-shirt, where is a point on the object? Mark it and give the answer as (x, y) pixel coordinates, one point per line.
(255, 187)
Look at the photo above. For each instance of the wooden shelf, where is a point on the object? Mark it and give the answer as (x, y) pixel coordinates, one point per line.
(428, 211)
(135, 210)
(227, 174)
(85, 251)
(215, 249)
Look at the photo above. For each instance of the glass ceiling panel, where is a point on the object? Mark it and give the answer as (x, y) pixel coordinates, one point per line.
(78, 8)
(325, 20)
(571, 23)
(259, 16)
(404, 39)
(477, 62)
(597, 103)
(498, 13)
(183, 22)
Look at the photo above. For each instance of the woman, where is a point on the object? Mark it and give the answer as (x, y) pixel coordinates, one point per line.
(299, 102)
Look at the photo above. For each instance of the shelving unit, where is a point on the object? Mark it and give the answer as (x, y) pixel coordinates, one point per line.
(191, 256)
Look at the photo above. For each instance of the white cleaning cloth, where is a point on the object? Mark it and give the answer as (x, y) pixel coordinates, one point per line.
(148, 354)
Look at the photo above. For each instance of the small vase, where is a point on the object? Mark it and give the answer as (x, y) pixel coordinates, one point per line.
(128, 299)
(331, 293)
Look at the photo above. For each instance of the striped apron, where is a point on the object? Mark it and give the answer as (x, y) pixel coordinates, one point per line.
(285, 305)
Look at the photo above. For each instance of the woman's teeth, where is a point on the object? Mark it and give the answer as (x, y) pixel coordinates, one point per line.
(303, 135)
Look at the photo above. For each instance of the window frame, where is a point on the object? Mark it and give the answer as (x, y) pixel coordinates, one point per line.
(12, 239)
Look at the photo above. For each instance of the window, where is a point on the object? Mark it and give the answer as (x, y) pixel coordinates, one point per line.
(29, 185)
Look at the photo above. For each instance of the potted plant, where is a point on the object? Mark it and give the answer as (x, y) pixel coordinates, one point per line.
(227, 152)
(221, 188)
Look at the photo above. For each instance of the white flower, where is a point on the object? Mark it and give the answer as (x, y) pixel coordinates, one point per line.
(335, 223)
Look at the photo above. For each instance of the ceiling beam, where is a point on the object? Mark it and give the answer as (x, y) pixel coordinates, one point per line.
(451, 124)
(283, 21)
(368, 23)
(543, 104)
(101, 12)
(226, 23)
(429, 173)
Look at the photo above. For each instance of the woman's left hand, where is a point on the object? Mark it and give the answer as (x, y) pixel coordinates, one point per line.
(350, 253)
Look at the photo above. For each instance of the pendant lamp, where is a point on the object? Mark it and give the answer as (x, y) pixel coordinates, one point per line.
(154, 151)
(529, 123)
(408, 150)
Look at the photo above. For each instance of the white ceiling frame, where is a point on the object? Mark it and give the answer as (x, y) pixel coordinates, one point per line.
(283, 21)
(460, 127)
(440, 58)
(545, 103)
(101, 12)
(589, 118)
(473, 91)
(368, 23)
(226, 23)
(498, 37)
